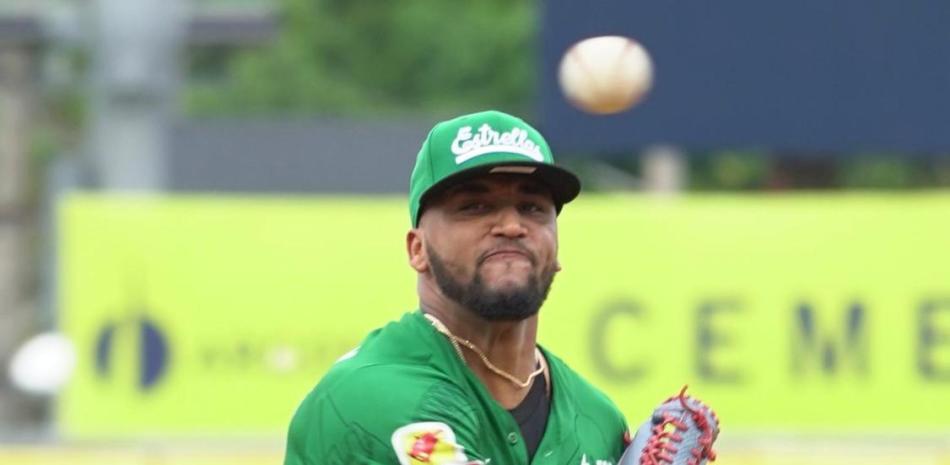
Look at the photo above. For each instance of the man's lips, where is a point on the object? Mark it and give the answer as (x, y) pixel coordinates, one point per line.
(506, 252)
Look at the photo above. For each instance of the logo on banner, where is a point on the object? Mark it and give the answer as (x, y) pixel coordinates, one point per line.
(149, 350)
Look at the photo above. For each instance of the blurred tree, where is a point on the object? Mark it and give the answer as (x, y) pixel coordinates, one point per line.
(360, 58)
(729, 170)
(878, 171)
(739, 170)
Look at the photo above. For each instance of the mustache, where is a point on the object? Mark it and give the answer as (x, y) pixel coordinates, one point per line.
(509, 247)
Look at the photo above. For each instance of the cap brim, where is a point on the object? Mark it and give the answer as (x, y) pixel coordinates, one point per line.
(563, 184)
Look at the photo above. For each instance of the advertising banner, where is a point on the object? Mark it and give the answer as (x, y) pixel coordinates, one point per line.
(203, 315)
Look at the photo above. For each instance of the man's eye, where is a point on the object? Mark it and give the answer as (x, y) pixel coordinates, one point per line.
(531, 207)
(474, 206)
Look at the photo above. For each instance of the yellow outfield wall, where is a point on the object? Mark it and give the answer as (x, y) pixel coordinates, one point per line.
(204, 315)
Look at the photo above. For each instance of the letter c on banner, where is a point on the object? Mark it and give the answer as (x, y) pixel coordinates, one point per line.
(600, 346)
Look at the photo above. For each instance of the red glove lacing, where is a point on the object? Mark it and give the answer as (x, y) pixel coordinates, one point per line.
(661, 447)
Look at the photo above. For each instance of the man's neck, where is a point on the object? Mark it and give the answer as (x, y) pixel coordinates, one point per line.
(508, 345)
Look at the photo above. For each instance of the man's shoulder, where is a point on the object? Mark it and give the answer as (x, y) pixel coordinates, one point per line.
(382, 388)
(387, 383)
(374, 401)
(393, 360)
(391, 376)
(396, 344)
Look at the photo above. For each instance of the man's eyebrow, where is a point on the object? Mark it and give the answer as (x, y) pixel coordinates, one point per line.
(533, 188)
(468, 187)
(481, 187)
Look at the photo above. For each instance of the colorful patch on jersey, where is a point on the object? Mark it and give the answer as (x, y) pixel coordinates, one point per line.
(428, 443)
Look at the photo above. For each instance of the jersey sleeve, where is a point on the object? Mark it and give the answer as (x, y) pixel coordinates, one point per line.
(385, 415)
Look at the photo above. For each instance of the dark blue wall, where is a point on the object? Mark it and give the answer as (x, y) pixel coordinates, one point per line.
(794, 75)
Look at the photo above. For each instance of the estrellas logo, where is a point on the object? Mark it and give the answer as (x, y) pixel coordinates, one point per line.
(468, 145)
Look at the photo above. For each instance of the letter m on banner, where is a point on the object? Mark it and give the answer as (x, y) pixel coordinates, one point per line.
(829, 350)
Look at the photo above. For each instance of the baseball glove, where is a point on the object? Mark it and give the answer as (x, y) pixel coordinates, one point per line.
(681, 432)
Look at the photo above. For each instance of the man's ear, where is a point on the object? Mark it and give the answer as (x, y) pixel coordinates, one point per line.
(415, 248)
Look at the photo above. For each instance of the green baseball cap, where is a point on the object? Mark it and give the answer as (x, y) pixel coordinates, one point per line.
(483, 143)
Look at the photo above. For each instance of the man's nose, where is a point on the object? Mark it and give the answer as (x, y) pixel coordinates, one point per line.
(509, 223)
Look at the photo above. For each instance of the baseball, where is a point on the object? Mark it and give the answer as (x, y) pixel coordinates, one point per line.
(604, 75)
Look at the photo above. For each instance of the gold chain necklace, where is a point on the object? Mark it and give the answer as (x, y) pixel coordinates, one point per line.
(440, 327)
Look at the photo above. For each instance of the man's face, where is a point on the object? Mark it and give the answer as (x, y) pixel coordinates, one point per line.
(491, 245)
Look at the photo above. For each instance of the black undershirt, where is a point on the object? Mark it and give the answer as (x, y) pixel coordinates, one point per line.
(532, 414)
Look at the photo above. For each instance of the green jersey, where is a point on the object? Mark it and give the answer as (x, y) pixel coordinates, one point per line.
(405, 397)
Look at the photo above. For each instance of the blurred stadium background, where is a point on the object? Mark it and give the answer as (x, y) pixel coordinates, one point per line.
(202, 205)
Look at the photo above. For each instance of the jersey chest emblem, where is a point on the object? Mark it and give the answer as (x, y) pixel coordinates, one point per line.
(428, 443)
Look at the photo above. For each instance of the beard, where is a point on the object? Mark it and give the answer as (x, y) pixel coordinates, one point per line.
(508, 305)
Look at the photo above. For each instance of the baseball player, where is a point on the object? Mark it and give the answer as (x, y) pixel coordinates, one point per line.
(462, 379)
